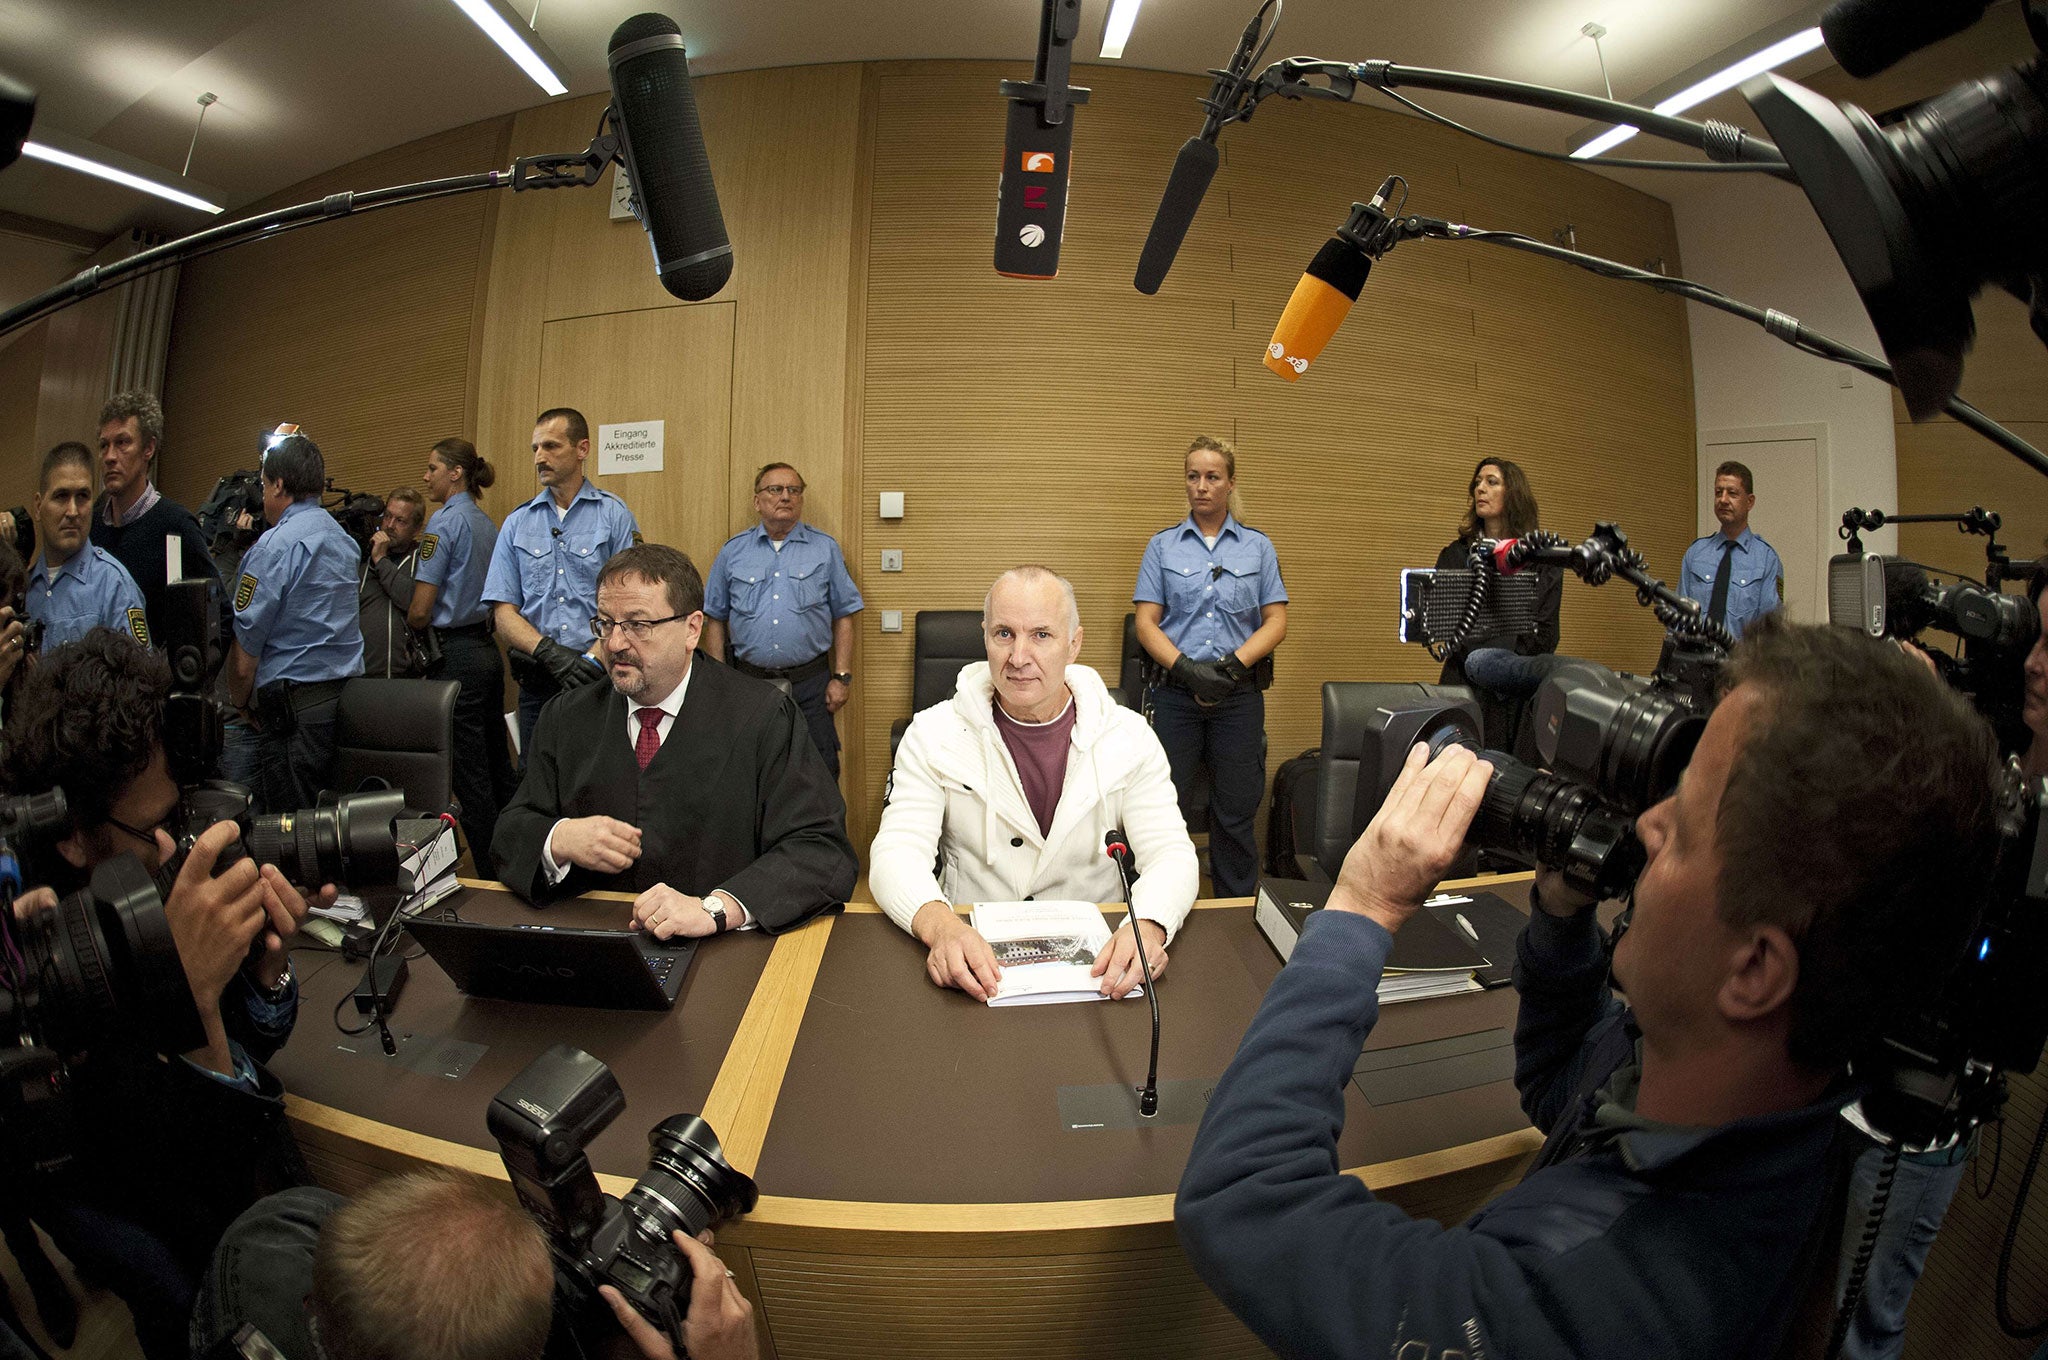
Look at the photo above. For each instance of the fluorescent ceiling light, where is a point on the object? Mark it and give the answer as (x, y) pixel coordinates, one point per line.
(42, 151)
(517, 41)
(1776, 55)
(1117, 31)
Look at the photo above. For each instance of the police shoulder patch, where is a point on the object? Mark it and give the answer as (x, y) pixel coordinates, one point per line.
(637, 540)
(245, 591)
(138, 624)
(428, 544)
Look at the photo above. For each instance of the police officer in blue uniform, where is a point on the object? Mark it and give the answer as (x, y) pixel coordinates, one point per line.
(448, 594)
(542, 584)
(1210, 610)
(73, 586)
(296, 632)
(779, 605)
(1732, 572)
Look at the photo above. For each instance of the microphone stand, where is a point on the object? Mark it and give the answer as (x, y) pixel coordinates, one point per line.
(553, 170)
(1120, 854)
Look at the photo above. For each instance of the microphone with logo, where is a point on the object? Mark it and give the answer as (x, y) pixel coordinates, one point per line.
(1120, 854)
(1196, 164)
(661, 148)
(1038, 140)
(1331, 283)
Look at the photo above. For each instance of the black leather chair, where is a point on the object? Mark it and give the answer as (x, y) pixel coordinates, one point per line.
(1342, 810)
(947, 641)
(1130, 675)
(400, 731)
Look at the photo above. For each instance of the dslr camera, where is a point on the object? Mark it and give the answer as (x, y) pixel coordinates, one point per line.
(544, 1120)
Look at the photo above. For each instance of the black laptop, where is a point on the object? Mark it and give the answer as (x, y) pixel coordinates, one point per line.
(556, 965)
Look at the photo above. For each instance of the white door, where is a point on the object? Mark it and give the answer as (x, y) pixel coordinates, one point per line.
(1787, 514)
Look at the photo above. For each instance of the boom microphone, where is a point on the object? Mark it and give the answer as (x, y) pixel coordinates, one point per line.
(1329, 286)
(1866, 36)
(661, 146)
(1195, 166)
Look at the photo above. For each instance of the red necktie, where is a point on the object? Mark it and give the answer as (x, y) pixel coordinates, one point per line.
(650, 735)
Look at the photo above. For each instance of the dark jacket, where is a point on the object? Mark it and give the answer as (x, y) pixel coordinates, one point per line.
(1637, 1240)
(736, 798)
(140, 548)
(383, 595)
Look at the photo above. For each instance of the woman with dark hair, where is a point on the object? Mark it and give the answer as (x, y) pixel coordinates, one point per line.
(448, 585)
(1500, 505)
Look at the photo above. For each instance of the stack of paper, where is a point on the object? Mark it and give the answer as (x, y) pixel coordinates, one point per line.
(1046, 950)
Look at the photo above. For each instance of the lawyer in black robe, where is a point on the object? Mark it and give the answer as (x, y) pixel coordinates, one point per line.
(736, 798)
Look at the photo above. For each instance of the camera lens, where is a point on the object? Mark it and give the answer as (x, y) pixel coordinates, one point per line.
(104, 960)
(1558, 823)
(352, 843)
(1629, 741)
(689, 1186)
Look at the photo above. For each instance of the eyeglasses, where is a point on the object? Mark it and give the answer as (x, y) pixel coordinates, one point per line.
(168, 825)
(637, 629)
(778, 491)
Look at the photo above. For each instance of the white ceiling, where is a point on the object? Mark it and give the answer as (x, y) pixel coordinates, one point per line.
(306, 85)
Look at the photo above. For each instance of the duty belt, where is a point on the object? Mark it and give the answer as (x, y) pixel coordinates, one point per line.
(796, 675)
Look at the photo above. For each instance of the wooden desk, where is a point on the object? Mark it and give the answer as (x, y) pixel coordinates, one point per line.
(920, 1195)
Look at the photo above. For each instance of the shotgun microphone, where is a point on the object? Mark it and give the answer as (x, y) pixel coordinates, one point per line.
(1120, 855)
(1196, 164)
(661, 146)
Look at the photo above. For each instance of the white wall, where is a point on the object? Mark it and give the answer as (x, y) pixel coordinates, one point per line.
(1757, 240)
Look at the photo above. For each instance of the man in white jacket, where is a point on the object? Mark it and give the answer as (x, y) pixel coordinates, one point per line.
(1010, 786)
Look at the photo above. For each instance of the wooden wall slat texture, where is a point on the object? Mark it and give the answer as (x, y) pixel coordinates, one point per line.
(1046, 421)
(358, 330)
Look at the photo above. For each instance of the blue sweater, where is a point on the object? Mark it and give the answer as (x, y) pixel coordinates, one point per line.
(1630, 1239)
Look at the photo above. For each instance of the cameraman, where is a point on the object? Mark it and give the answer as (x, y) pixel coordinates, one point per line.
(1827, 844)
(397, 1274)
(166, 1153)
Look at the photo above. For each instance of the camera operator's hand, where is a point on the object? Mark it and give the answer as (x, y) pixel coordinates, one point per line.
(285, 909)
(1414, 837)
(380, 546)
(1203, 679)
(604, 845)
(566, 665)
(1556, 897)
(212, 921)
(719, 1324)
(11, 632)
(33, 901)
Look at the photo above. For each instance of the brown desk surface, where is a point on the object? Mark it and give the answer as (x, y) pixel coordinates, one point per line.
(899, 1092)
(665, 1061)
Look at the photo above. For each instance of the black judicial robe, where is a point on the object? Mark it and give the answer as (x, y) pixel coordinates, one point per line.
(736, 798)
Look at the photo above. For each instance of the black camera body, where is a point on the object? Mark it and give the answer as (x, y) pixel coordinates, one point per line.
(543, 1120)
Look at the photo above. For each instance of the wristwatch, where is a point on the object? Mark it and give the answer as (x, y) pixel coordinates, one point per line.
(714, 907)
(843, 677)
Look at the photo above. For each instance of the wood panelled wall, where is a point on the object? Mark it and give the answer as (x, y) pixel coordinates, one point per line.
(1046, 421)
(357, 330)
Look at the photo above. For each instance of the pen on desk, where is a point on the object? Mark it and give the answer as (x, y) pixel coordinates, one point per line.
(1466, 926)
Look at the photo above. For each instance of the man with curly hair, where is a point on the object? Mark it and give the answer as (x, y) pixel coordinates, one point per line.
(165, 1153)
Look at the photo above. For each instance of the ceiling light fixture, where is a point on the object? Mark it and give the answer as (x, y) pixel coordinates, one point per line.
(1115, 33)
(527, 51)
(1776, 55)
(85, 165)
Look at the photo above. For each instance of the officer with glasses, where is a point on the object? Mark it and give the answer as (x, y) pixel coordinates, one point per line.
(692, 786)
(779, 605)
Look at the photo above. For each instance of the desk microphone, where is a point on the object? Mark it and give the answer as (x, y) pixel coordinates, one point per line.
(1120, 854)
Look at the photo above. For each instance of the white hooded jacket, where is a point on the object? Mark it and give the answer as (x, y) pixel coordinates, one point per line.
(955, 797)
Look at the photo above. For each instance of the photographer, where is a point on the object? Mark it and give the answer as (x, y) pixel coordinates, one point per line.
(166, 1153)
(1829, 841)
(396, 1274)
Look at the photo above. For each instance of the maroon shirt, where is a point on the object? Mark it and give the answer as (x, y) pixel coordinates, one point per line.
(1040, 751)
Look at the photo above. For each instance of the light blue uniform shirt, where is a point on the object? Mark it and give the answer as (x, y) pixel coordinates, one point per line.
(295, 599)
(546, 566)
(1211, 597)
(455, 552)
(1752, 578)
(779, 606)
(92, 590)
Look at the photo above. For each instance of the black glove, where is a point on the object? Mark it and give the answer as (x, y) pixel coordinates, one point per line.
(1203, 679)
(1233, 670)
(568, 668)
